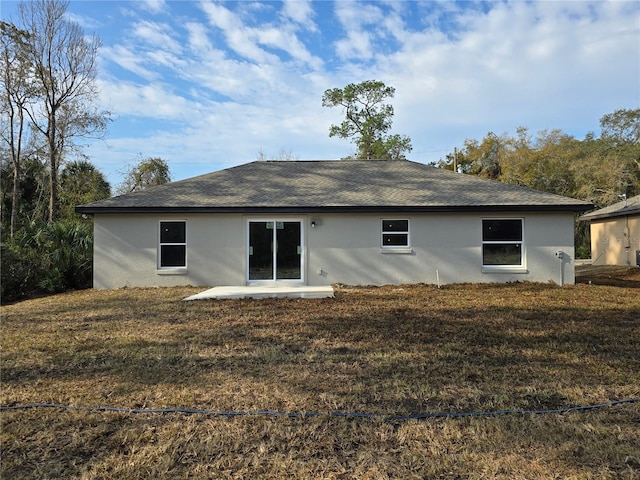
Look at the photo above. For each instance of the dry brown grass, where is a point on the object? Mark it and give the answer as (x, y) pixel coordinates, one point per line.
(614, 275)
(391, 350)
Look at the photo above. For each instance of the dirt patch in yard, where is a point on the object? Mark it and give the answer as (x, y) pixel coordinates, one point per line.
(614, 275)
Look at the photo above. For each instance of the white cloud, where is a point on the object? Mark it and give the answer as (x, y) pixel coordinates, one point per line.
(84, 21)
(356, 45)
(301, 12)
(287, 42)
(252, 78)
(127, 59)
(198, 40)
(519, 61)
(355, 19)
(238, 36)
(152, 100)
(154, 6)
(159, 35)
(247, 41)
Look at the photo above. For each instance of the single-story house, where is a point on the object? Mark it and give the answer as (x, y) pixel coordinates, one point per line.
(615, 233)
(317, 223)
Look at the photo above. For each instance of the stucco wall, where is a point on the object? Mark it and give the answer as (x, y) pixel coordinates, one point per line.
(340, 249)
(126, 251)
(444, 246)
(610, 239)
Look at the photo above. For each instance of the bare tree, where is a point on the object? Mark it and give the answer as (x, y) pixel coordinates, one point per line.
(283, 154)
(64, 68)
(17, 92)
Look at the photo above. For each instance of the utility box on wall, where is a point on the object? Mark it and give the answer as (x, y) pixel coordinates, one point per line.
(638, 258)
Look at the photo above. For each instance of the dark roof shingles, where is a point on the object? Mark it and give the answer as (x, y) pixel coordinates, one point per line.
(334, 184)
(630, 206)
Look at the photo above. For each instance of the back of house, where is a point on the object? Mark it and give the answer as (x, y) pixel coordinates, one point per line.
(325, 222)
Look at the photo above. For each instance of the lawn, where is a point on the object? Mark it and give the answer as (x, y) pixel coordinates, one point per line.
(385, 351)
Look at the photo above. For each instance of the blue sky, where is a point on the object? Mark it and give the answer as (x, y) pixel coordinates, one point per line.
(208, 85)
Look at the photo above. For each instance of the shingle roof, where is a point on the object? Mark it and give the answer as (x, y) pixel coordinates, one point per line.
(629, 207)
(336, 185)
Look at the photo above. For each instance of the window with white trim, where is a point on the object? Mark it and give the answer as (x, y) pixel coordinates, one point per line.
(502, 242)
(395, 234)
(172, 249)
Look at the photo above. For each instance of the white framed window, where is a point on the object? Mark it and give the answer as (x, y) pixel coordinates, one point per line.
(172, 245)
(503, 243)
(395, 234)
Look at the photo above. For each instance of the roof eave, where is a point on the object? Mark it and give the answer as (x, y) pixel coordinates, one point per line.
(92, 210)
(604, 216)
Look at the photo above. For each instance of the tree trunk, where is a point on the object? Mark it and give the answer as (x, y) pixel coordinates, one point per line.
(15, 197)
(16, 152)
(53, 168)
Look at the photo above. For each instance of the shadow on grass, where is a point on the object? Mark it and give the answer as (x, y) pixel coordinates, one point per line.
(387, 359)
(388, 351)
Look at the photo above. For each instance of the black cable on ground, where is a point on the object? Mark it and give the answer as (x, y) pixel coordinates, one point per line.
(419, 416)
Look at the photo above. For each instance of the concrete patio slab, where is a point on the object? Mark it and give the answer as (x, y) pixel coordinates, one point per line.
(264, 291)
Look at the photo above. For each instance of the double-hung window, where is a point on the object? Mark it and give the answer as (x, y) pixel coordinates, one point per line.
(395, 234)
(502, 243)
(172, 250)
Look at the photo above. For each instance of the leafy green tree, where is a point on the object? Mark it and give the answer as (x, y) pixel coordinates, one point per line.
(148, 172)
(622, 126)
(620, 138)
(33, 201)
(545, 165)
(81, 182)
(607, 169)
(486, 157)
(368, 119)
(456, 161)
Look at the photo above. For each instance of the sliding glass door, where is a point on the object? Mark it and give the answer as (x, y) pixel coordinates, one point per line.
(275, 250)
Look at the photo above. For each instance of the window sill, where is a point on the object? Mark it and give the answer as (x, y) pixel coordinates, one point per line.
(400, 250)
(172, 271)
(499, 269)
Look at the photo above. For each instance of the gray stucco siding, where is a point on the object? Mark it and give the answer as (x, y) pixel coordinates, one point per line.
(126, 251)
(342, 248)
(447, 247)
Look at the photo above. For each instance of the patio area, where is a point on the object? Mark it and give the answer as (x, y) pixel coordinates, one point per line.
(264, 291)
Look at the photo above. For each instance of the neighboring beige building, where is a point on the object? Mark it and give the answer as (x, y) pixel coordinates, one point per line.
(320, 223)
(615, 233)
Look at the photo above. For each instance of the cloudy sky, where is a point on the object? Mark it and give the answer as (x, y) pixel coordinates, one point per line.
(208, 85)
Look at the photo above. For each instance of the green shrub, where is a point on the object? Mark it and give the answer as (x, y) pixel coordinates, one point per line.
(47, 258)
(583, 251)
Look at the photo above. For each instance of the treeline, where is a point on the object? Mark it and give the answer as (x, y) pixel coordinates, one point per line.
(599, 168)
(48, 102)
(47, 257)
(596, 169)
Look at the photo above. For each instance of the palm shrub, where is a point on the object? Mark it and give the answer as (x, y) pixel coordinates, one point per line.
(47, 258)
(70, 253)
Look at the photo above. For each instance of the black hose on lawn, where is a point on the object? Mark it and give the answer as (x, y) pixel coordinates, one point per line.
(419, 416)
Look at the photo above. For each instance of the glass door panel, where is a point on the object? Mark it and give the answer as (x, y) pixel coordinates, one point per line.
(284, 262)
(288, 251)
(261, 250)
